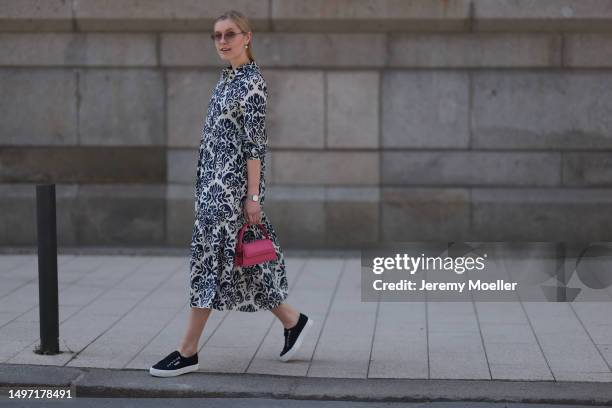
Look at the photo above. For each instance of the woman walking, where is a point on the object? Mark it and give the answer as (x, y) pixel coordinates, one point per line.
(229, 192)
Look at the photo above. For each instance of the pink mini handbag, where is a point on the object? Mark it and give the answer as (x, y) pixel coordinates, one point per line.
(258, 251)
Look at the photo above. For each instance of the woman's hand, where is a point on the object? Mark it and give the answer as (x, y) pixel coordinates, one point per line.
(252, 211)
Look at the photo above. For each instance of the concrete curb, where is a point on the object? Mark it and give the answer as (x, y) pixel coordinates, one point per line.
(99, 382)
(169, 251)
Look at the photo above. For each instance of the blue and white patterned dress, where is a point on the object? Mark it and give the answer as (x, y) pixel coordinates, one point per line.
(233, 132)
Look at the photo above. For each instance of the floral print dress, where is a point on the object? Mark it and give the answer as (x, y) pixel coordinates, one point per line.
(234, 131)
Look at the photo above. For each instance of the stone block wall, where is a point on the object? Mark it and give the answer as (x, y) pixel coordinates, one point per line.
(387, 120)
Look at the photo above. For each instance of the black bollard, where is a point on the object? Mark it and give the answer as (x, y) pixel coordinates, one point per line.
(47, 270)
(560, 273)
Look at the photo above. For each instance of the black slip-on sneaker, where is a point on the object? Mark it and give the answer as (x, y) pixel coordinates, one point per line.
(175, 364)
(294, 337)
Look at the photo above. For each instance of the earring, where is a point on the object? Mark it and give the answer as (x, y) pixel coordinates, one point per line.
(246, 45)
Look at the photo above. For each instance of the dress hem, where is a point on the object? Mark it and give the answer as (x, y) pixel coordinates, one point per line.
(241, 309)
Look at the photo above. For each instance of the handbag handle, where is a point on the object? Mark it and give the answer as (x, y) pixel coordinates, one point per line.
(241, 234)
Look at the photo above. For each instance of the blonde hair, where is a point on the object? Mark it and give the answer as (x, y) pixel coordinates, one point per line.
(243, 24)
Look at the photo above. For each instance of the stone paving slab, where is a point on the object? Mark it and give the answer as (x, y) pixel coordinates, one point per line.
(125, 312)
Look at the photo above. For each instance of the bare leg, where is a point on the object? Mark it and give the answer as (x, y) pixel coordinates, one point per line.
(286, 314)
(197, 319)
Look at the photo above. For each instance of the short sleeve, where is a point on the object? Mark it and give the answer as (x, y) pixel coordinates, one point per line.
(255, 139)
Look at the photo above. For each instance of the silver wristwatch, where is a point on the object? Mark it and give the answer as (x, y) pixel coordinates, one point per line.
(253, 197)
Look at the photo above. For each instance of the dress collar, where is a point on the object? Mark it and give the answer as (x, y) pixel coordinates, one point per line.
(229, 73)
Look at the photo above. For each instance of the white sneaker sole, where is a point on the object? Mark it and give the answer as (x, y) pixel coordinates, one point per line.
(173, 373)
(287, 356)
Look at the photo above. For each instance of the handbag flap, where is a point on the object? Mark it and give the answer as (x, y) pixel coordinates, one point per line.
(261, 246)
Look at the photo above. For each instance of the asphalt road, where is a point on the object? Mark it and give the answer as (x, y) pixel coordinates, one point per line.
(255, 403)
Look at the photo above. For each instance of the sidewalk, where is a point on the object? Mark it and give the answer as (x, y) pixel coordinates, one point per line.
(119, 314)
